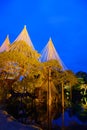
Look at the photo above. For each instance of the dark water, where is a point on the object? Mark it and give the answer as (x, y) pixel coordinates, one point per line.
(71, 119)
(54, 118)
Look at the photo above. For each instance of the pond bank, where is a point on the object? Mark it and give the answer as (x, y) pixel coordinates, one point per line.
(7, 122)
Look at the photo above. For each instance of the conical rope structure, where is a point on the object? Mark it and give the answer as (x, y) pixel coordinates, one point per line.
(24, 43)
(24, 36)
(5, 45)
(49, 53)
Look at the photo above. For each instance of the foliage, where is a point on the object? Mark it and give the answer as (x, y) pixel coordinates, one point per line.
(12, 66)
(16, 61)
(54, 64)
(71, 78)
(82, 76)
(23, 48)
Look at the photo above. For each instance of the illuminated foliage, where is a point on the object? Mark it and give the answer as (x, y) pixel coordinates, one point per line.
(23, 48)
(13, 64)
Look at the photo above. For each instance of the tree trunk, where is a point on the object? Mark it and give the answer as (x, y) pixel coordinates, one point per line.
(49, 99)
(49, 87)
(70, 92)
(62, 106)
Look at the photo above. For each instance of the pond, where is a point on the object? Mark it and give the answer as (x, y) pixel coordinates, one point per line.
(53, 117)
(71, 117)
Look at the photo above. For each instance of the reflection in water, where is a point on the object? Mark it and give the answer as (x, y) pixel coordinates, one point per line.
(53, 119)
(42, 117)
(49, 118)
(69, 120)
(77, 114)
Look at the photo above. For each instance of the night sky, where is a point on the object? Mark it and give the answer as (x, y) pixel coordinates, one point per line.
(65, 21)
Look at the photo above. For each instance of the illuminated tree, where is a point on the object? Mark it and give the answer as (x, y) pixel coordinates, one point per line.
(71, 81)
(13, 65)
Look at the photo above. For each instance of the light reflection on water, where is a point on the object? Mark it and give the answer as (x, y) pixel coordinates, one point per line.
(73, 115)
(68, 120)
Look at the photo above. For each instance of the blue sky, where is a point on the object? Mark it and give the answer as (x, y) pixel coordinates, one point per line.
(65, 21)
